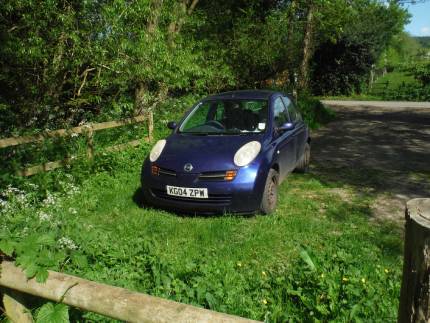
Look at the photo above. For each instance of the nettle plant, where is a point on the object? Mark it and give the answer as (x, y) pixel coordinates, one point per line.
(31, 230)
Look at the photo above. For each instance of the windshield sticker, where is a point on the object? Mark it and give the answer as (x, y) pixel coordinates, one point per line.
(261, 125)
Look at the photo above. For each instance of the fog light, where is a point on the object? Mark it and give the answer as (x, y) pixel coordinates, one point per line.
(155, 170)
(230, 175)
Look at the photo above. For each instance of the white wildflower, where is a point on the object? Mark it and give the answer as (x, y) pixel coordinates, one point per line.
(67, 243)
(50, 199)
(44, 216)
(33, 186)
(74, 135)
(3, 204)
(73, 211)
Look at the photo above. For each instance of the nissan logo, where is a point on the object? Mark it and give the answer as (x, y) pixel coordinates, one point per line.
(188, 167)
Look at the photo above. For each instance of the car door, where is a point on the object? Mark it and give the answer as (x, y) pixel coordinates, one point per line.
(284, 141)
(300, 131)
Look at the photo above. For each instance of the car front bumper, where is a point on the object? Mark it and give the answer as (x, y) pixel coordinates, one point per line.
(241, 195)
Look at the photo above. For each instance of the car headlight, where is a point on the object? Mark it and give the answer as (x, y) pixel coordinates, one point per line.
(157, 150)
(247, 153)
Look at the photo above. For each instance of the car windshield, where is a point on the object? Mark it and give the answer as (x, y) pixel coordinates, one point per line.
(227, 116)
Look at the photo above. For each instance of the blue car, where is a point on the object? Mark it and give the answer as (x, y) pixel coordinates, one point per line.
(229, 153)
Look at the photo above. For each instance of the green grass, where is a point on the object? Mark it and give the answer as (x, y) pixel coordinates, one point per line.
(250, 266)
(385, 88)
(395, 79)
(319, 257)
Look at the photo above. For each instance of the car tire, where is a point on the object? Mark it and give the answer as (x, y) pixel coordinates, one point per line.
(303, 164)
(270, 194)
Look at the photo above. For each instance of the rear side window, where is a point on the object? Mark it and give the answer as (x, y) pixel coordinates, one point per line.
(292, 109)
(280, 113)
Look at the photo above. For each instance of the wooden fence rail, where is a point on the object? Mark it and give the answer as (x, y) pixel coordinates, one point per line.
(114, 302)
(88, 130)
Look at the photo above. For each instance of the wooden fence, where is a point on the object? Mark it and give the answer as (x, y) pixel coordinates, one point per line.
(114, 302)
(87, 130)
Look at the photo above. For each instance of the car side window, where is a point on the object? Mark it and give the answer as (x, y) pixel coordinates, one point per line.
(280, 113)
(219, 114)
(295, 115)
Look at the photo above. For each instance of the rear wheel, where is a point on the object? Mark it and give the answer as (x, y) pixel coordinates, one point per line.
(303, 164)
(270, 194)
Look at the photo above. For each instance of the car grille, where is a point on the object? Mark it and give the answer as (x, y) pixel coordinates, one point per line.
(212, 199)
(212, 176)
(166, 172)
(205, 176)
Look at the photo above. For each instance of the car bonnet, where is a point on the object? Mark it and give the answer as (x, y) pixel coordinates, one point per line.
(204, 153)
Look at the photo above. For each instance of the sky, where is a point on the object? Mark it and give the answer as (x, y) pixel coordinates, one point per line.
(420, 20)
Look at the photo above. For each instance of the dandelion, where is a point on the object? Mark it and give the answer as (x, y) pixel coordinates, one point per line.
(67, 243)
(263, 273)
(322, 275)
(345, 279)
(239, 264)
(386, 270)
(363, 280)
(264, 301)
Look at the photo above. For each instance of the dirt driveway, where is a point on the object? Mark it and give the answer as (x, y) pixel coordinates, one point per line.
(382, 149)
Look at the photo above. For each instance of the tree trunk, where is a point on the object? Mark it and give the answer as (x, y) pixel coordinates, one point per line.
(307, 49)
(415, 291)
(290, 43)
(140, 98)
(152, 24)
(183, 10)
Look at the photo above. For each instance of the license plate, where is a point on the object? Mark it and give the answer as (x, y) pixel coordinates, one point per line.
(197, 193)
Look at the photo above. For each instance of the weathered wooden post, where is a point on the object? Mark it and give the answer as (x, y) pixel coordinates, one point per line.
(90, 142)
(15, 308)
(150, 125)
(415, 291)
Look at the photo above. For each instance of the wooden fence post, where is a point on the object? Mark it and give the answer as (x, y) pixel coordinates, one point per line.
(415, 292)
(14, 307)
(90, 142)
(150, 125)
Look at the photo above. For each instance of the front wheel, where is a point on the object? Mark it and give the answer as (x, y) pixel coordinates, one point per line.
(303, 164)
(270, 194)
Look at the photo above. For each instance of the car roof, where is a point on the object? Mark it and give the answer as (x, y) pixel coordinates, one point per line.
(244, 94)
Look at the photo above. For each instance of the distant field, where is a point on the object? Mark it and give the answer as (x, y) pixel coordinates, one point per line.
(391, 82)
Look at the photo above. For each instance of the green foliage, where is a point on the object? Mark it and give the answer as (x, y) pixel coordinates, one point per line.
(342, 66)
(50, 313)
(64, 63)
(410, 82)
(424, 41)
(421, 72)
(314, 112)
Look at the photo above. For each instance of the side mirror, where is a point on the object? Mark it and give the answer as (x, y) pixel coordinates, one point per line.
(287, 126)
(171, 125)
